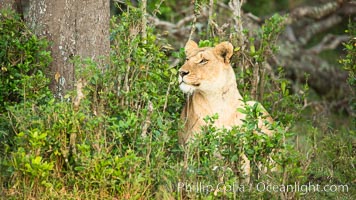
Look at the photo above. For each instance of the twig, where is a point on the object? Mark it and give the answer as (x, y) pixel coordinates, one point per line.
(156, 10)
(220, 29)
(120, 1)
(210, 18)
(144, 20)
(235, 6)
(255, 80)
(196, 14)
(147, 121)
(80, 84)
(145, 126)
(126, 80)
(262, 80)
(167, 94)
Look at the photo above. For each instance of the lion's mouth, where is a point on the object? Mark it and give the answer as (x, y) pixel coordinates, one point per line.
(192, 84)
(187, 87)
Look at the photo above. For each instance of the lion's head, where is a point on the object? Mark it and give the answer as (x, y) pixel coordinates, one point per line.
(206, 69)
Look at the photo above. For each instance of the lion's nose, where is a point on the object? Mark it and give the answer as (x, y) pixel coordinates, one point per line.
(183, 73)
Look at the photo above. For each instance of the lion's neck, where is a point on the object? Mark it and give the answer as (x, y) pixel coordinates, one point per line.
(223, 103)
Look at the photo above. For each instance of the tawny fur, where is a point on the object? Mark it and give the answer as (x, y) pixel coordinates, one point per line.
(209, 79)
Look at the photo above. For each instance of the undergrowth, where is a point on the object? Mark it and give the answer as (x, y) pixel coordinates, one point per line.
(119, 140)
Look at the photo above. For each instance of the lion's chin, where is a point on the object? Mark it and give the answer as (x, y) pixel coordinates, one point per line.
(188, 89)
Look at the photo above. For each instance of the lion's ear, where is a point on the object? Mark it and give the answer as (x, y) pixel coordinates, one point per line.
(190, 46)
(224, 50)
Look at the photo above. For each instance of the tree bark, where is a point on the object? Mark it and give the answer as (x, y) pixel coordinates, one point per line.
(327, 80)
(14, 4)
(74, 28)
(7, 3)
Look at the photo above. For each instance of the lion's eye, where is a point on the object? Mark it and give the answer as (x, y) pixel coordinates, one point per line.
(203, 61)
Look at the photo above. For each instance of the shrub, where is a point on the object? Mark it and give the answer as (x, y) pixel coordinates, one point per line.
(117, 141)
(23, 60)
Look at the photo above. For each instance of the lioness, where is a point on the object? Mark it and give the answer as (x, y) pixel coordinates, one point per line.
(209, 79)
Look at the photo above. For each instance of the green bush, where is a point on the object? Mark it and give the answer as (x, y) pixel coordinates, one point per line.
(120, 140)
(23, 60)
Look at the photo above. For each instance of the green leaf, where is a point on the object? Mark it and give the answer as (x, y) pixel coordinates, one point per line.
(37, 160)
(242, 110)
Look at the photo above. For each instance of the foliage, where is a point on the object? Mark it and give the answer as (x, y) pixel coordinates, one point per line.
(160, 8)
(349, 61)
(23, 61)
(116, 141)
(216, 157)
(120, 140)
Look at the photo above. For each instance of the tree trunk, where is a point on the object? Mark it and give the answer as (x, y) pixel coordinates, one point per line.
(14, 4)
(6, 3)
(74, 28)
